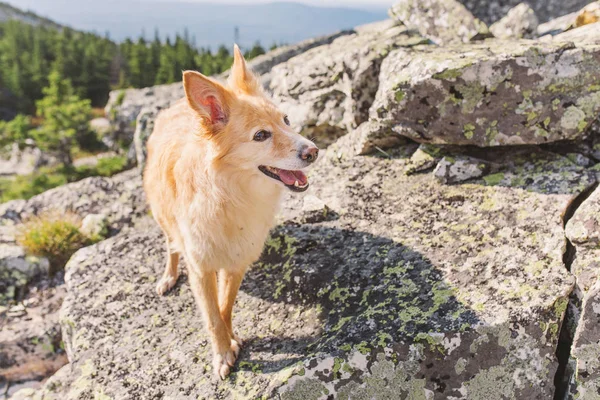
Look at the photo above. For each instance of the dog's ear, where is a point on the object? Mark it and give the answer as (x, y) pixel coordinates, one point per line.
(241, 78)
(207, 97)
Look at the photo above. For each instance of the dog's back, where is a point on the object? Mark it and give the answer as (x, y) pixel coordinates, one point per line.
(172, 129)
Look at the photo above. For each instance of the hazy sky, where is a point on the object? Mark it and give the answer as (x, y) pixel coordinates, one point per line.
(363, 4)
(324, 3)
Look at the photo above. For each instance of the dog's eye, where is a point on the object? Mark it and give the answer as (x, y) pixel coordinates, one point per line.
(286, 120)
(261, 136)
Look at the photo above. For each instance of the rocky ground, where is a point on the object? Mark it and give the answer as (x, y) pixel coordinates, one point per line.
(447, 248)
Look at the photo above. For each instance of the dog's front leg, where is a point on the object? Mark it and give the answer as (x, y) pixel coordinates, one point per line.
(225, 349)
(229, 284)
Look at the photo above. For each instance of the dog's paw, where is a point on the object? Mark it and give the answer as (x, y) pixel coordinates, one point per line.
(222, 362)
(165, 283)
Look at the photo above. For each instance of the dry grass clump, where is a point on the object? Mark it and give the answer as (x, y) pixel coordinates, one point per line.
(54, 236)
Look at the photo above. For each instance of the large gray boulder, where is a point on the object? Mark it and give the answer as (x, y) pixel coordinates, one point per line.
(443, 21)
(124, 106)
(411, 289)
(490, 94)
(144, 125)
(334, 85)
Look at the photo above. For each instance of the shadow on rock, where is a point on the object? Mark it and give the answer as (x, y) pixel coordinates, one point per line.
(367, 291)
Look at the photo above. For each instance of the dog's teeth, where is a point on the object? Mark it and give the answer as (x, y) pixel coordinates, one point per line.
(296, 184)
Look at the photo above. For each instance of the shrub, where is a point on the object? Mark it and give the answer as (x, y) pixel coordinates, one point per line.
(54, 236)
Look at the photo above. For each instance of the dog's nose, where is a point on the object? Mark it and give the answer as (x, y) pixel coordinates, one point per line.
(309, 153)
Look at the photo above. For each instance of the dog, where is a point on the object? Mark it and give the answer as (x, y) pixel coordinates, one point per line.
(219, 161)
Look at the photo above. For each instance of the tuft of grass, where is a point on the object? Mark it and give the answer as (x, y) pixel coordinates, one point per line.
(54, 236)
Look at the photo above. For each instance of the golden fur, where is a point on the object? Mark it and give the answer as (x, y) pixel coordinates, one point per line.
(206, 192)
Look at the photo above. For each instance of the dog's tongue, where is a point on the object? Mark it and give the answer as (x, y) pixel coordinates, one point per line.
(290, 177)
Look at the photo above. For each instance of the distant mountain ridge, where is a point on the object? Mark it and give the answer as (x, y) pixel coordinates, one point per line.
(8, 12)
(211, 24)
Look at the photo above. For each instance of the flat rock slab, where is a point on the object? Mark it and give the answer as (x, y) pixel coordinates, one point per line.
(414, 290)
(491, 93)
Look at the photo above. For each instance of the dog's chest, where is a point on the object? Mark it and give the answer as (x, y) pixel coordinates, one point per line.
(234, 234)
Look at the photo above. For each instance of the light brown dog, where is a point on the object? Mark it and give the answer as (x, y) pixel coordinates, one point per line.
(218, 163)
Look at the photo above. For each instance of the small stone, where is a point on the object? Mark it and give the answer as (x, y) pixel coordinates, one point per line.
(519, 22)
(24, 391)
(589, 15)
(94, 225)
(13, 258)
(442, 21)
(425, 158)
(455, 170)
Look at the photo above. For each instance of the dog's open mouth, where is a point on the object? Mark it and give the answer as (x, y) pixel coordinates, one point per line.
(294, 180)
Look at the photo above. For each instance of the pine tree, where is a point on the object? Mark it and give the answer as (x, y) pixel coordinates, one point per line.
(255, 51)
(64, 117)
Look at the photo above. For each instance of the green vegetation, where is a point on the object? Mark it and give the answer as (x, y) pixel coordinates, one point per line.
(52, 77)
(27, 186)
(64, 116)
(16, 130)
(94, 64)
(54, 236)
